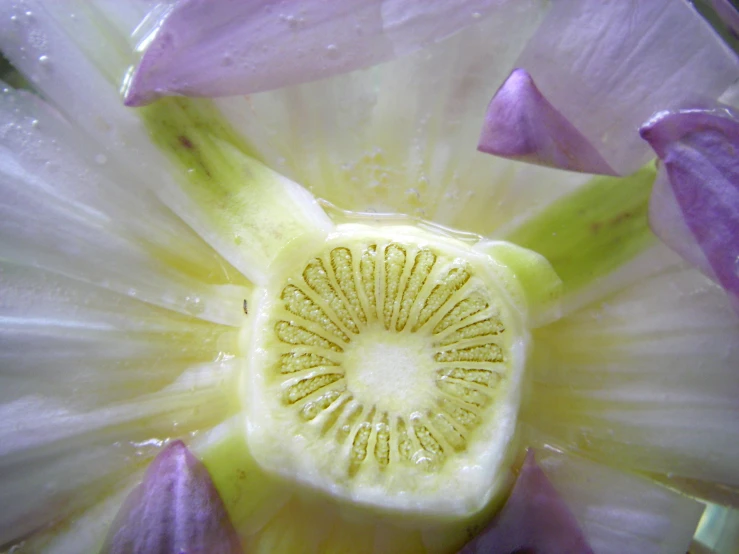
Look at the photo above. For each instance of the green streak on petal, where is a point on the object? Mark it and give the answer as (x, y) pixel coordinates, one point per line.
(242, 208)
(189, 132)
(593, 231)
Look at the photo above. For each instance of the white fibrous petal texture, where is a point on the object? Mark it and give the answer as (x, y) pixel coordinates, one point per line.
(628, 379)
(619, 512)
(601, 70)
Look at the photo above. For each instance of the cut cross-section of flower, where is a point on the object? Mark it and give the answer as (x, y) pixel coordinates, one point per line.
(385, 368)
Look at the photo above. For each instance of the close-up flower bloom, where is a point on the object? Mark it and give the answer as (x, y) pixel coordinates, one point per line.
(369, 276)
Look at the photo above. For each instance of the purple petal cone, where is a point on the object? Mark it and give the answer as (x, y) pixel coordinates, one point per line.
(521, 124)
(534, 520)
(699, 150)
(175, 510)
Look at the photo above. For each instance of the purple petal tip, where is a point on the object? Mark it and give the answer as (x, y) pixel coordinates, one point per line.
(521, 124)
(175, 509)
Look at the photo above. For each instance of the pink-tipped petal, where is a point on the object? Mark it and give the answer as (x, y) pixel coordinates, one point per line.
(606, 67)
(175, 510)
(534, 520)
(521, 124)
(229, 47)
(699, 150)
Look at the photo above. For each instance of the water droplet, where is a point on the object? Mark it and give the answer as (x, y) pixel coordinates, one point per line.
(237, 239)
(14, 18)
(29, 14)
(476, 15)
(101, 159)
(332, 51)
(34, 123)
(194, 305)
(292, 21)
(44, 61)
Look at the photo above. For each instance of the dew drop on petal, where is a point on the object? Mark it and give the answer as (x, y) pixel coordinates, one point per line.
(332, 51)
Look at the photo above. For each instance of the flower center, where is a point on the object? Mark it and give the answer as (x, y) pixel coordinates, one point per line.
(386, 371)
(390, 371)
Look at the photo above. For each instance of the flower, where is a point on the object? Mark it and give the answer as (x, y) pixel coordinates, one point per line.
(134, 241)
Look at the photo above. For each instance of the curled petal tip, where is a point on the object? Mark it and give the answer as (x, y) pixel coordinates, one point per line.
(520, 123)
(175, 509)
(695, 203)
(534, 519)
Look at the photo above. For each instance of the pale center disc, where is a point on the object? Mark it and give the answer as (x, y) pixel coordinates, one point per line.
(394, 372)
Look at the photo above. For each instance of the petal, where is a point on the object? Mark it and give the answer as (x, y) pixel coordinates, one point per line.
(66, 207)
(521, 124)
(698, 150)
(401, 137)
(644, 379)
(608, 67)
(241, 207)
(175, 509)
(728, 14)
(591, 233)
(667, 221)
(718, 532)
(533, 519)
(237, 47)
(198, 173)
(620, 512)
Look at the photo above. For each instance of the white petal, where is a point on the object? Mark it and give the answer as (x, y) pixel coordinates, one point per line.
(402, 137)
(620, 512)
(645, 379)
(56, 459)
(87, 45)
(96, 346)
(66, 207)
(608, 67)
